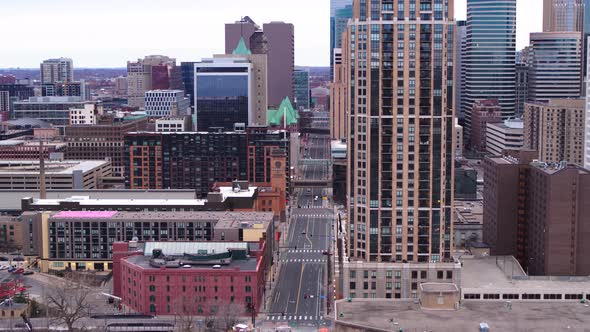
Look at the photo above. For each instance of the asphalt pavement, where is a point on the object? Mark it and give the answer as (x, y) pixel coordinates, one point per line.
(299, 298)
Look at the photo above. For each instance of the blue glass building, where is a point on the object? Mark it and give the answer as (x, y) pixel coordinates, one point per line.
(490, 55)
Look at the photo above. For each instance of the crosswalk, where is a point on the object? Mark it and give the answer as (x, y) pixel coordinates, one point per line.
(291, 318)
(303, 260)
(304, 251)
(315, 215)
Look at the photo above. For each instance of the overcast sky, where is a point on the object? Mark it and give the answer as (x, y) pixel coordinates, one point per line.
(107, 33)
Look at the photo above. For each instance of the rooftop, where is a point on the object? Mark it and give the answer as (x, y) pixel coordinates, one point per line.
(249, 264)
(469, 212)
(259, 217)
(503, 274)
(523, 316)
(87, 201)
(51, 167)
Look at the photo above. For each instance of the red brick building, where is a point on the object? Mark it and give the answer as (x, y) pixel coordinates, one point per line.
(482, 113)
(197, 278)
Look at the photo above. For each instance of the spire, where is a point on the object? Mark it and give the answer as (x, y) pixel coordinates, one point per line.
(241, 49)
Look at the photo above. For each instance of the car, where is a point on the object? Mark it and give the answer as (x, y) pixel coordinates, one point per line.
(308, 190)
(11, 269)
(298, 206)
(186, 266)
(3, 267)
(315, 198)
(217, 266)
(28, 273)
(18, 271)
(325, 252)
(303, 233)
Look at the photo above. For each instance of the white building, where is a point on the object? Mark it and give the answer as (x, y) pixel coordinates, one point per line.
(504, 135)
(458, 139)
(174, 124)
(164, 103)
(85, 115)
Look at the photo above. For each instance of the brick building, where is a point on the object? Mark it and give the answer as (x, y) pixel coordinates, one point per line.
(104, 140)
(482, 113)
(537, 212)
(196, 160)
(83, 240)
(196, 278)
(21, 149)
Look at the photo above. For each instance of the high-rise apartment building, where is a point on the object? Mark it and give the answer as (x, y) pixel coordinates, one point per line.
(401, 126)
(66, 89)
(4, 101)
(277, 41)
(556, 130)
(163, 103)
(301, 86)
(556, 66)
(188, 81)
(537, 212)
(57, 70)
(223, 93)
(340, 13)
(563, 15)
(489, 61)
(150, 73)
(587, 119)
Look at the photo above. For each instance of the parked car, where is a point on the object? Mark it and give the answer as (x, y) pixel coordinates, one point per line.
(3, 267)
(28, 273)
(18, 271)
(11, 269)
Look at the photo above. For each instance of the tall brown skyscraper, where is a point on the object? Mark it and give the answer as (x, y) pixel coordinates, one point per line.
(277, 40)
(400, 140)
(563, 15)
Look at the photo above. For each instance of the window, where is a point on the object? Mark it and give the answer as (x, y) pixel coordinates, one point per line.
(510, 297)
(439, 274)
(373, 285)
(248, 289)
(365, 285)
(574, 296)
(551, 296)
(398, 285)
(352, 274)
(152, 298)
(414, 274)
(469, 296)
(449, 274)
(152, 308)
(365, 274)
(491, 296)
(388, 274)
(352, 285)
(398, 274)
(531, 296)
(388, 285)
(414, 286)
(373, 274)
(152, 288)
(423, 275)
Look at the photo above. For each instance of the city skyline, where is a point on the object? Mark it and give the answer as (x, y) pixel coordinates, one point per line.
(311, 40)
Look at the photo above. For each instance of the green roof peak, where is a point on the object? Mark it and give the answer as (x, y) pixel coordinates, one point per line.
(285, 109)
(241, 49)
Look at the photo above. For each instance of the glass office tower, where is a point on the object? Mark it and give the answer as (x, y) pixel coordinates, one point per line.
(490, 55)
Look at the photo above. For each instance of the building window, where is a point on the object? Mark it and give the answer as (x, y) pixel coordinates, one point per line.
(423, 275)
(152, 308)
(352, 274)
(388, 274)
(398, 285)
(388, 285)
(152, 298)
(352, 285)
(414, 274)
(152, 288)
(439, 274)
(248, 289)
(449, 274)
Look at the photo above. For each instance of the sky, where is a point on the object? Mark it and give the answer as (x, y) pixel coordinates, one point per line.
(107, 33)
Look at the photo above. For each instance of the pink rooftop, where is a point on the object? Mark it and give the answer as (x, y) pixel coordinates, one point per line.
(85, 214)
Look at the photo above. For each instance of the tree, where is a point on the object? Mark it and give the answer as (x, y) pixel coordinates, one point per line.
(186, 312)
(228, 315)
(69, 300)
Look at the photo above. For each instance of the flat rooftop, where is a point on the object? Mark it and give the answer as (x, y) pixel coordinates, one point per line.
(524, 316)
(66, 167)
(229, 192)
(243, 265)
(166, 215)
(500, 274)
(87, 201)
(469, 212)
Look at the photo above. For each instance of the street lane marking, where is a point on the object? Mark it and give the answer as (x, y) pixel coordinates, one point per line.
(299, 290)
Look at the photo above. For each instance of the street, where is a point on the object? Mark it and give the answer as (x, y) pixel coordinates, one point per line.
(300, 297)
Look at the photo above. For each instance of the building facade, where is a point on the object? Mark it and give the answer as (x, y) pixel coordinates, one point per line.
(196, 288)
(301, 88)
(563, 15)
(66, 89)
(340, 13)
(535, 211)
(197, 160)
(223, 93)
(400, 140)
(460, 47)
(490, 61)
(483, 112)
(277, 41)
(522, 87)
(57, 70)
(556, 67)
(171, 124)
(67, 174)
(164, 103)
(150, 73)
(506, 135)
(556, 130)
(85, 115)
(104, 140)
(338, 102)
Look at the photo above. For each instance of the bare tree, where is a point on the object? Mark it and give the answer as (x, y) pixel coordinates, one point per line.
(186, 314)
(228, 315)
(69, 300)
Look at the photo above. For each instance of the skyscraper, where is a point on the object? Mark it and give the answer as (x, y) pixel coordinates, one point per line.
(401, 125)
(151, 72)
(277, 41)
(563, 15)
(489, 61)
(301, 85)
(460, 43)
(340, 13)
(57, 70)
(556, 66)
